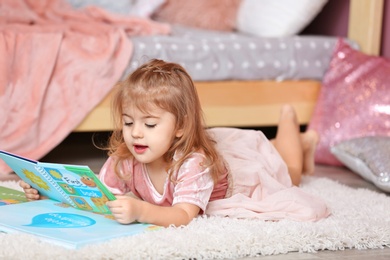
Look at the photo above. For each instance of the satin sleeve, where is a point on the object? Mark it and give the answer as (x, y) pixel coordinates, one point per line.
(194, 183)
(109, 178)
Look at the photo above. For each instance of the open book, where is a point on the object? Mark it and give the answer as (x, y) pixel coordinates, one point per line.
(75, 185)
(10, 196)
(63, 225)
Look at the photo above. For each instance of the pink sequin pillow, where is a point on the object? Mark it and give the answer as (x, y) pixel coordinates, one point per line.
(354, 100)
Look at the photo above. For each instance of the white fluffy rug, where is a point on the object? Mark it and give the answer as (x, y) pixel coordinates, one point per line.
(360, 219)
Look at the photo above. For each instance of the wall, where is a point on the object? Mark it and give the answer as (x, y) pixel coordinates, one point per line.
(333, 21)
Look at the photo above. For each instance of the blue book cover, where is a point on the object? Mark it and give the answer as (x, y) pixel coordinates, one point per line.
(60, 224)
(76, 185)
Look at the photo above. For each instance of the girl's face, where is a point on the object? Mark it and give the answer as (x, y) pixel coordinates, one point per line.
(148, 136)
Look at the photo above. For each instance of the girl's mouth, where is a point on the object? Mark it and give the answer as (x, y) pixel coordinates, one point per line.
(140, 148)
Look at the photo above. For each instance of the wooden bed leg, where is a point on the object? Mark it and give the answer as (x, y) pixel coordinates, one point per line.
(365, 24)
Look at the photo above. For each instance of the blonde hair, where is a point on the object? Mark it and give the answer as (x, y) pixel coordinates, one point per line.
(168, 86)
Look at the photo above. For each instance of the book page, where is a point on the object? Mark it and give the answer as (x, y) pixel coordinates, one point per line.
(81, 185)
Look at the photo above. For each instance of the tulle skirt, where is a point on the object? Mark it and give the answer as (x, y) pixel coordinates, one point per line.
(259, 182)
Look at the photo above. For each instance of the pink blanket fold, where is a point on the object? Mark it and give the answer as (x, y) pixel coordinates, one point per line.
(56, 65)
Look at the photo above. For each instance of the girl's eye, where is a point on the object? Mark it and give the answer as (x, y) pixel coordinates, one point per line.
(128, 124)
(150, 125)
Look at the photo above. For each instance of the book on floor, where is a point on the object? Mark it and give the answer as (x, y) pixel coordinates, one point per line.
(11, 196)
(76, 185)
(58, 223)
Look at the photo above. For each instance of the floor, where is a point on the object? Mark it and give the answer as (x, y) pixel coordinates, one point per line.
(78, 148)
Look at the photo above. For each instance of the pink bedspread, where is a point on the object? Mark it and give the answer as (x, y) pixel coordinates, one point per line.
(56, 64)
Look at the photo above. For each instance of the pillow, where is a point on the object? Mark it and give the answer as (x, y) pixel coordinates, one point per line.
(140, 8)
(205, 14)
(275, 18)
(267, 18)
(354, 100)
(118, 6)
(368, 157)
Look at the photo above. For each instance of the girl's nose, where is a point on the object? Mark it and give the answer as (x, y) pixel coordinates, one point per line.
(137, 131)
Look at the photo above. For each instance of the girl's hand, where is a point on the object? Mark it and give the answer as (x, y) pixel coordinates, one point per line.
(124, 209)
(31, 193)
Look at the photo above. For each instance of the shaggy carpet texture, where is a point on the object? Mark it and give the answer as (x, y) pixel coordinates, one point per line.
(360, 219)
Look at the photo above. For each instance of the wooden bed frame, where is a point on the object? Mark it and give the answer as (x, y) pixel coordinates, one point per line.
(257, 103)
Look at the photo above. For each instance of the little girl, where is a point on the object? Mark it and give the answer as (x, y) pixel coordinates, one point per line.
(166, 168)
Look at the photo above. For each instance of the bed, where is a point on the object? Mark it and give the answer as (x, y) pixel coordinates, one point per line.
(50, 86)
(256, 103)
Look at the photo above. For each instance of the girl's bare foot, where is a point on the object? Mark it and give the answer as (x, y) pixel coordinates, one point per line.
(288, 113)
(310, 140)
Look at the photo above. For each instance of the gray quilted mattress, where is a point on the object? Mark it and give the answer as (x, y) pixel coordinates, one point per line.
(215, 55)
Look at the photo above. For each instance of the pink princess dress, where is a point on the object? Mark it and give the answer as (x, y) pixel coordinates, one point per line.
(255, 185)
